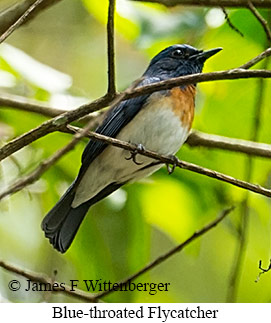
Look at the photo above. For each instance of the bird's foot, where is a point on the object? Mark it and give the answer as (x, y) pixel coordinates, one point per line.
(171, 169)
(133, 154)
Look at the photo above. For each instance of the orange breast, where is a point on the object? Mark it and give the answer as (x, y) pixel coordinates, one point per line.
(183, 104)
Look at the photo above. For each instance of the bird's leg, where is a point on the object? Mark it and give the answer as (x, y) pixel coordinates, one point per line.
(174, 164)
(139, 147)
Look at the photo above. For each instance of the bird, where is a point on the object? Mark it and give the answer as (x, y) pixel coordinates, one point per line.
(159, 121)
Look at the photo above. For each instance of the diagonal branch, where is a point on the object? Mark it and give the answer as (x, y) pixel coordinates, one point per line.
(232, 74)
(170, 253)
(169, 160)
(34, 106)
(50, 126)
(9, 16)
(61, 121)
(182, 164)
(200, 139)
(231, 25)
(22, 17)
(256, 59)
(31, 105)
(262, 21)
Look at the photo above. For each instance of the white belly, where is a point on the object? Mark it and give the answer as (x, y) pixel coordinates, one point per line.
(157, 128)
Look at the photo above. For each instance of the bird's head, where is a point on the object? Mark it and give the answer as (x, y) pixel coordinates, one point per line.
(178, 60)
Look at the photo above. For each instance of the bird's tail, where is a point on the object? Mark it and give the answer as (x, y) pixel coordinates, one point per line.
(62, 222)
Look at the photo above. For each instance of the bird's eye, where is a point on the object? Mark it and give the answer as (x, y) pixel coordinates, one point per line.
(177, 53)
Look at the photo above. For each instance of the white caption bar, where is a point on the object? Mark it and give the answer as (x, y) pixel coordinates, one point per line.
(154, 312)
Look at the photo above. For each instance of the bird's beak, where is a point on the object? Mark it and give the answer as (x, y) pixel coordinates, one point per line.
(203, 56)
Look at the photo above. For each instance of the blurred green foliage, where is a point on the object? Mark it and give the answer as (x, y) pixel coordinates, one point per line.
(143, 220)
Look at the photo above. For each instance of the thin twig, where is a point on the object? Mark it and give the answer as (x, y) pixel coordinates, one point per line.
(256, 59)
(240, 251)
(262, 21)
(231, 25)
(110, 49)
(20, 20)
(10, 15)
(170, 253)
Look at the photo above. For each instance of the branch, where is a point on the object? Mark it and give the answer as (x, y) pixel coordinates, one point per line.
(9, 16)
(168, 160)
(86, 296)
(14, 17)
(171, 252)
(231, 25)
(44, 279)
(195, 139)
(256, 59)
(182, 164)
(200, 139)
(110, 49)
(34, 106)
(52, 125)
(252, 148)
(262, 21)
(21, 103)
(232, 74)
(211, 3)
(66, 118)
(29, 105)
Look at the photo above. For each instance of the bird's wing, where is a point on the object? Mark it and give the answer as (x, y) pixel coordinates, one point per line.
(116, 119)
